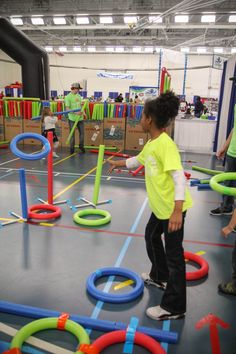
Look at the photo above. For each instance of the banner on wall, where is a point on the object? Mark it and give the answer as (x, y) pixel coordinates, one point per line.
(218, 61)
(110, 75)
(143, 92)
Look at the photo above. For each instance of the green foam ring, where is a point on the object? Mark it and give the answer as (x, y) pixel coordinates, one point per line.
(206, 170)
(49, 323)
(227, 176)
(98, 174)
(72, 130)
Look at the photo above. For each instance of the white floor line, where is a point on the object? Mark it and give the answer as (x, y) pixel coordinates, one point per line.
(39, 343)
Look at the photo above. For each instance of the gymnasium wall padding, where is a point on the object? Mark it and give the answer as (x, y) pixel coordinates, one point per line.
(33, 60)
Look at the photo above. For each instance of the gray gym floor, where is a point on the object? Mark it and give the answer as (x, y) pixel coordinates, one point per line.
(47, 265)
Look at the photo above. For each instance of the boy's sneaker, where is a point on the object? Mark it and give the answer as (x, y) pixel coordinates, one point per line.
(148, 281)
(54, 154)
(228, 288)
(219, 211)
(159, 314)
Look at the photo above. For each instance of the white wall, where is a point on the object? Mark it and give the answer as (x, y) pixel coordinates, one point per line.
(79, 67)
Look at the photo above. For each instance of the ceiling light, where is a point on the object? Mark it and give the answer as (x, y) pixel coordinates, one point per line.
(106, 19)
(157, 49)
(155, 19)
(137, 49)
(59, 20)
(82, 20)
(77, 49)
(233, 50)
(181, 18)
(184, 49)
(17, 21)
(48, 48)
(110, 49)
(208, 18)
(91, 49)
(201, 50)
(218, 50)
(63, 49)
(119, 49)
(148, 49)
(232, 18)
(130, 19)
(37, 21)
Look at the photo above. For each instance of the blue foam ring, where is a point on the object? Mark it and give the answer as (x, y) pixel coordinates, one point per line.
(73, 208)
(79, 198)
(115, 298)
(87, 322)
(24, 156)
(109, 201)
(130, 334)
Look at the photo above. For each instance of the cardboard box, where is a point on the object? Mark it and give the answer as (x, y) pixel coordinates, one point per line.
(135, 138)
(30, 126)
(13, 127)
(114, 132)
(65, 131)
(93, 132)
(2, 135)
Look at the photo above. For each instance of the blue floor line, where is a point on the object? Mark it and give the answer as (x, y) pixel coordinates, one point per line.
(119, 260)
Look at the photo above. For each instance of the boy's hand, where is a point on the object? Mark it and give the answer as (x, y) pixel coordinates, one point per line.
(175, 221)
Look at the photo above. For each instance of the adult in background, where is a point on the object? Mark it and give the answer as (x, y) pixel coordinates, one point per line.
(198, 107)
(119, 98)
(73, 101)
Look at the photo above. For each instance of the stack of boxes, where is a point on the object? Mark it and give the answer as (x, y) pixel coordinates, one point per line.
(119, 131)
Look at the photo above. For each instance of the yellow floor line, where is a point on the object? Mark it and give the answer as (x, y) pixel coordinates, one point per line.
(123, 284)
(79, 179)
(66, 158)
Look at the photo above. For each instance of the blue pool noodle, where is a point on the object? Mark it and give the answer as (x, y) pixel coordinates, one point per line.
(87, 322)
(24, 205)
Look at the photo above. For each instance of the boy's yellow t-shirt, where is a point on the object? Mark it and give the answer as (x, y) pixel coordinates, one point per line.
(160, 156)
(74, 102)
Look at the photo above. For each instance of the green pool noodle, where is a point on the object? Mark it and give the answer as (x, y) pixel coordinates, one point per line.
(227, 176)
(206, 170)
(98, 174)
(72, 130)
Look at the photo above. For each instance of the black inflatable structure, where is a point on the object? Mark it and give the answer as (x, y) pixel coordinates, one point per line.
(33, 60)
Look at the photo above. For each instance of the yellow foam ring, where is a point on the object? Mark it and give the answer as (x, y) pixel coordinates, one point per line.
(108, 178)
(123, 284)
(199, 253)
(46, 224)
